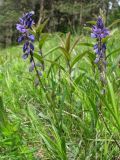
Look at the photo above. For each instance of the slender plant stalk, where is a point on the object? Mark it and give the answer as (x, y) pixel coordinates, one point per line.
(99, 32)
(43, 65)
(109, 131)
(44, 89)
(70, 78)
(38, 76)
(59, 75)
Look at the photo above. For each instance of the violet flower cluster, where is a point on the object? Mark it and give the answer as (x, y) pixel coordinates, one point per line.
(99, 32)
(24, 27)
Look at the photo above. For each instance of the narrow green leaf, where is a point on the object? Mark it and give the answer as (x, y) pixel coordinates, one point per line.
(41, 26)
(86, 44)
(52, 62)
(104, 40)
(52, 50)
(3, 114)
(38, 57)
(52, 65)
(67, 43)
(88, 29)
(66, 54)
(42, 40)
(75, 43)
(115, 22)
(78, 57)
(91, 22)
(112, 95)
(113, 52)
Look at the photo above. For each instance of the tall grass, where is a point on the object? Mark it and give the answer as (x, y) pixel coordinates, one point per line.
(63, 121)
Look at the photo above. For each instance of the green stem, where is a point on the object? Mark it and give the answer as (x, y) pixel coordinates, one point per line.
(109, 131)
(37, 73)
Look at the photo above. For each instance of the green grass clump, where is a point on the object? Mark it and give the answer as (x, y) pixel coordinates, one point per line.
(63, 121)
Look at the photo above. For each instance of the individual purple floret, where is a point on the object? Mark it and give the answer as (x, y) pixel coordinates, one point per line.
(99, 32)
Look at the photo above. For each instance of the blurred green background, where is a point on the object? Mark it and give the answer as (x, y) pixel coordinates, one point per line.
(63, 15)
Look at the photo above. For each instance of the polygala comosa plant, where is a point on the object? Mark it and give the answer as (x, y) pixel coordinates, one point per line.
(99, 32)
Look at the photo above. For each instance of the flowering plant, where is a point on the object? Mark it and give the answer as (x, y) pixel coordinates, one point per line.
(26, 23)
(24, 27)
(99, 32)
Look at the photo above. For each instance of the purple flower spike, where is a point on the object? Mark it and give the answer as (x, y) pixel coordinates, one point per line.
(27, 20)
(100, 23)
(99, 32)
(24, 27)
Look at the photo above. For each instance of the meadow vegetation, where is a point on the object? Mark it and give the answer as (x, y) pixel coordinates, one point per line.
(60, 119)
